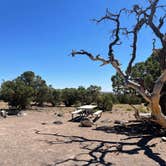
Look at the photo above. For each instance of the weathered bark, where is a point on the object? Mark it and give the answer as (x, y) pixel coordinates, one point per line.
(143, 17)
(157, 112)
(153, 99)
(156, 105)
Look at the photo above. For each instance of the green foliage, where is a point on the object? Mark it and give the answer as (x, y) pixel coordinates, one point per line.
(117, 83)
(113, 98)
(54, 96)
(129, 98)
(104, 102)
(24, 89)
(81, 95)
(16, 93)
(89, 95)
(41, 89)
(28, 88)
(28, 78)
(145, 73)
(92, 94)
(69, 96)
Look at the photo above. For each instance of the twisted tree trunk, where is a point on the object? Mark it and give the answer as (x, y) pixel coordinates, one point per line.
(157, 112)
(144, 17)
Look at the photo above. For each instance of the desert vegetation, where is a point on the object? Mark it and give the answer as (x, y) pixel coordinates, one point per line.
(145, 18)
(30, 89)
(124, 127)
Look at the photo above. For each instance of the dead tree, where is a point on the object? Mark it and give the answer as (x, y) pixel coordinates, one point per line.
(145, 17)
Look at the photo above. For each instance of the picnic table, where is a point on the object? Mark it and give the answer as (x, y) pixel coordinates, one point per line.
(86, 110)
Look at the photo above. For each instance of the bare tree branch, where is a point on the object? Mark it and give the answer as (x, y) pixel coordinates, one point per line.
(137, 27)
(139, 89)
(154, 44)
(161, 21)
(94, 58)
(155, 29)
(144, 16)
(116, 65)
(117, 31)
(108, 16)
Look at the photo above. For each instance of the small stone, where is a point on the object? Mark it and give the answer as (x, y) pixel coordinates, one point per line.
(163, 139)
(21, 113)
(58, 122)
(86, 122)
(43, 123)
(3, 113)
(60, 115)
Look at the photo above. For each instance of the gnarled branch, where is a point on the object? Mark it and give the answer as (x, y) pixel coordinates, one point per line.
(161, 21)
(137, 27)
(156, 30)
(116, 65)
(143, 16)
(139, 89)
(94, 58)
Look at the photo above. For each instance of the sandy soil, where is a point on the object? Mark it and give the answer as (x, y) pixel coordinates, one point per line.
(34, 140)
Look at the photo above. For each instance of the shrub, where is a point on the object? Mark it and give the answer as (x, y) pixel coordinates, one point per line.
(41, 91)
(54, 96)
(129, 99)
(81, 95)
(17, 94)
(104, 102)
(69, 96)
(92, 94)
(26, 88)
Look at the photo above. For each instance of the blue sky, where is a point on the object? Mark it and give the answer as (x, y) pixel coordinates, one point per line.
(38, 35)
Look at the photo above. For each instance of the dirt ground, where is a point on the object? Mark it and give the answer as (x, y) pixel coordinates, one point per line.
(34, 140)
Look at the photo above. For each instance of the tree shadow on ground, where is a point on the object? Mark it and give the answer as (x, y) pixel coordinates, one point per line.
(76, 119)
(97, 149)
(145, 131)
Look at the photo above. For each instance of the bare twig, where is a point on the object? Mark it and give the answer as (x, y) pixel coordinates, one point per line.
(137, 27)
(155, 28)
(161, 21)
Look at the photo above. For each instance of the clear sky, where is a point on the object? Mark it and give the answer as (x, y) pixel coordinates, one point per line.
(38, 35)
